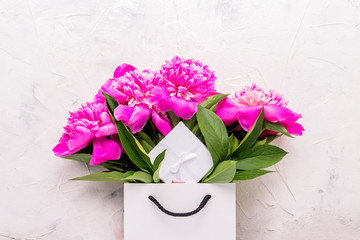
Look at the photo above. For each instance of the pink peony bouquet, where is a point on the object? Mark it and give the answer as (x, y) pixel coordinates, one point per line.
(134, 110)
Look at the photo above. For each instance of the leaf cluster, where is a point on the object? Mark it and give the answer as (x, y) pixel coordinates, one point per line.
(237, 156)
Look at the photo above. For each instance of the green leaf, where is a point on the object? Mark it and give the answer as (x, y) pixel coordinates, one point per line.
(174, 120)
(160, 137)
(271, 138)
(207, 174)
(105, 176)
(113, 167)
(81, 157)
(157, 163)
(260, 142)
(276, 127)
(249, 174)
(224, 172)
(133, 148)
(251, 137)
(214, 132)
(196, 130)
(233, 144)
(111, 103)
(212, 101)
(146, 138)
(124, 164)
(139, 177)
(158, 160)
(131, 145)
(145, 145)
(266, 140)
(190, 123)
(114, 176)
(156, 177)
(258, 157)
(149, 133)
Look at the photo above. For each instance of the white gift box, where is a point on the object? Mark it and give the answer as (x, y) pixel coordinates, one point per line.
(179, 211)
(187, 159)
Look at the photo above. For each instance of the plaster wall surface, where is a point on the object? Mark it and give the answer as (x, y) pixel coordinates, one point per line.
(54, 55)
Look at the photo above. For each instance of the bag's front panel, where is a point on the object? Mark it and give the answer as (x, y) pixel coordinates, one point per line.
(143, 219)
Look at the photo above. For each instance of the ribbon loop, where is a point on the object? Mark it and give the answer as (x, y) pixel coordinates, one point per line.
(184, 157)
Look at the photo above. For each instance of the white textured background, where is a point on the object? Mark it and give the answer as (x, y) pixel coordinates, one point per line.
(54, 55)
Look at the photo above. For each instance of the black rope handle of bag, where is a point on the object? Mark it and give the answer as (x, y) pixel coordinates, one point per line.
(186, 214)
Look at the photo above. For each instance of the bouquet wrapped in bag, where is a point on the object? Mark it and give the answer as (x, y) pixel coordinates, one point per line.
(173, 126)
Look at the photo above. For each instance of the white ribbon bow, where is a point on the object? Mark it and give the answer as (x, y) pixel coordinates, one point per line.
(184, 157)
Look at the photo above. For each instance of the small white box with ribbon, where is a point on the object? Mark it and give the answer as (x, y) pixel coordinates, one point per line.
(187, 159)
(179, 211)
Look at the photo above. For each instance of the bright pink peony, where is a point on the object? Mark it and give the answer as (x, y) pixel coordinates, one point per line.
(140, 95)
(188, 82)
(246, 105)
(90, 123)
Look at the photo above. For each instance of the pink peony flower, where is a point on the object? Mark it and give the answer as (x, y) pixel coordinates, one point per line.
(246, 105)
(90, 123)
(140, 95)
(188, 82)
(254, 96)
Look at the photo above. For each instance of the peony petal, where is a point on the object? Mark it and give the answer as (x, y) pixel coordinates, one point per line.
(123, 113)
(115, 138)
(139, 118)
(293, 128)
(104, 149)
(110, 90)
(161, 123)
(183, 108)
(200, 97)
(161, 99)
(105, 117)
(279, 114)
(61, 150)
(122, 69)
(64, 138)
(106, 130)
(99, 98)
(284, 116)
(80, 140)
(247, 116)
(227, 111)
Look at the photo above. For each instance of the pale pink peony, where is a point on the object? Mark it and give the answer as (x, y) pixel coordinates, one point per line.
(254, 96)
(90, 124)
(140, 95)
(188, 83)
(246, 105)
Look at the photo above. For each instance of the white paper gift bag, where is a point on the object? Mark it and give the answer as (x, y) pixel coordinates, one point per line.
(179, 211)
